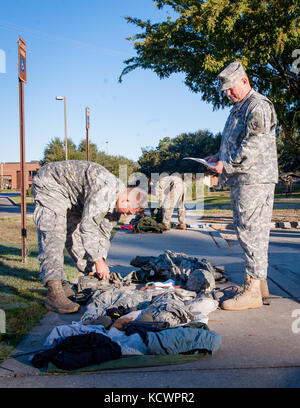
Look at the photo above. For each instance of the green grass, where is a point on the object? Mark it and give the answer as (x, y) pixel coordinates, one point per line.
(282, 196)
(280, 191)
(225, 215)
(21, 294)
(223, 198)
(217, 207)
(217, 199)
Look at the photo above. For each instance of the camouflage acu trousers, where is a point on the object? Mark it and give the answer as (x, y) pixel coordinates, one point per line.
(55, 232)
(170, 198)
(252, 213)
(168, 212)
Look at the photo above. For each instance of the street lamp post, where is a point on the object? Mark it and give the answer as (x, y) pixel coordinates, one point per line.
(63, 98)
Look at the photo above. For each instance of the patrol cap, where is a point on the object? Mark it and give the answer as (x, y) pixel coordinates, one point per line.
(230, 74)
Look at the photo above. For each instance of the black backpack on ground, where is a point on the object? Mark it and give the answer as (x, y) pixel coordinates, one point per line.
(79, 351)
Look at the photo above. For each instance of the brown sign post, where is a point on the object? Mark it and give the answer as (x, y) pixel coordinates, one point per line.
(22, 60)
(22, 80)
(87, 126)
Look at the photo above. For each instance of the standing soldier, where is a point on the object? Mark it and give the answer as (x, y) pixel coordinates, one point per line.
(76, 205)
(247, 163)
(170, 191)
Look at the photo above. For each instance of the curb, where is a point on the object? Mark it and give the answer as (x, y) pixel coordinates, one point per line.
(228, 226)
(274, 225)
(286, 225)
(10, 199)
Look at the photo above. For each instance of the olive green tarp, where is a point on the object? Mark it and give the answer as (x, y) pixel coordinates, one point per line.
(133, 362)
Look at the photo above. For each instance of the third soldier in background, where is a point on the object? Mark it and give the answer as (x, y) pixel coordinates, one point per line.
(170, 191)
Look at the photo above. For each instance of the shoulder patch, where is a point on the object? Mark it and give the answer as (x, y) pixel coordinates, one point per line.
(255, 122)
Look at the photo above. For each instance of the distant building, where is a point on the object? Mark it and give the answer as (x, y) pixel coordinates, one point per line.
(10, 174)
(137, 164)
(211, 180)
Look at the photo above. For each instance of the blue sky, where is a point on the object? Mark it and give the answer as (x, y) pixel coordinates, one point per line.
(76, 49)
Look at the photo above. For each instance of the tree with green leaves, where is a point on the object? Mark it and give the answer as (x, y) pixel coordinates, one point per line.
(93, 150)
(206, 35)
(112, 163)
(168, 155)
(55, 151)
(288, 158)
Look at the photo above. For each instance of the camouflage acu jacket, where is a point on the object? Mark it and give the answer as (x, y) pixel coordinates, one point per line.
(88, 188)
(248, 146)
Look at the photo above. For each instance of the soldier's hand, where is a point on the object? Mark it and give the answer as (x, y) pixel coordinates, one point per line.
(102, 269)
(218, 167)
(211, 159)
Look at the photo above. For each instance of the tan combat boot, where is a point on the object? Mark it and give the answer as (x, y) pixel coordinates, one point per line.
(57, 301)
(181, 227)
(264, 288)
(249, 298)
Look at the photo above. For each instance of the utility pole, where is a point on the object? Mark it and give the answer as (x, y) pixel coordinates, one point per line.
(66, 138)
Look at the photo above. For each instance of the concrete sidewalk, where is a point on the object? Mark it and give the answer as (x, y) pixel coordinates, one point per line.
(260, 348)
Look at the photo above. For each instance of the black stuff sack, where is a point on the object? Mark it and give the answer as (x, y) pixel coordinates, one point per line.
(79, 351)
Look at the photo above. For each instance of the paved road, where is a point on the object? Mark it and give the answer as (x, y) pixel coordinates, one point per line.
(7, 194)
(8, 208)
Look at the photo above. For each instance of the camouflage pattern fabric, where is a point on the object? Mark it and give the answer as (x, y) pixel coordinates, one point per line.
(51, 229)
(252, 212)
(230, 74)
(248, 152)
(179, 267)
(74, 243)
(170, 191)
(248, 147)
(75, 203)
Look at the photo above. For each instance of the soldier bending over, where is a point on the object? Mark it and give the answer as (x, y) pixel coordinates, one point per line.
(76, 206)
